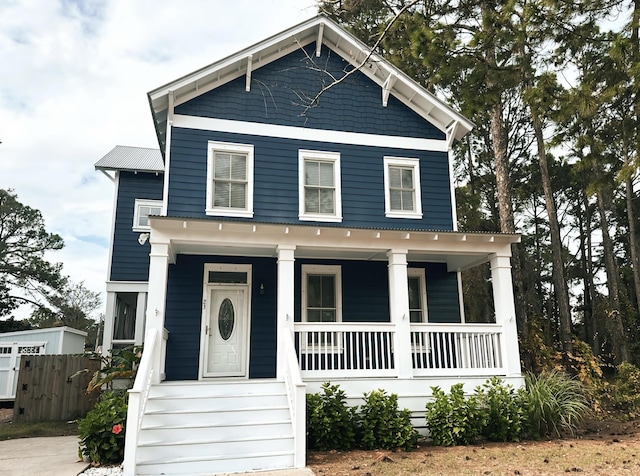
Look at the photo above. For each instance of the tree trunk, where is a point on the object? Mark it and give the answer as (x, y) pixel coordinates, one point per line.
(613, 317)
(633, 238)
(559, 273)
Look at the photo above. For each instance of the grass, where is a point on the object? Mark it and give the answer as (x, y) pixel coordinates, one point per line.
(10, 431)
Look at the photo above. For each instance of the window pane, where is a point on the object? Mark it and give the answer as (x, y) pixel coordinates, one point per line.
(314, 291)
(326, 174)
(314, 315)
(222, 166)
(326, 200)
(124, 322)
(329, 315)
(415, 316)
(407, 178)
(414, 293)
(407, 201)
(221, 194)
(395, 180)
(311, 173)
(312, 200)
(237, 192)
(238, 167)
(228, 277)
(328, 291)
(395, 196)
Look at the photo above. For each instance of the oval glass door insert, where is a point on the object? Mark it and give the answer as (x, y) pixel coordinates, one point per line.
(226, 319)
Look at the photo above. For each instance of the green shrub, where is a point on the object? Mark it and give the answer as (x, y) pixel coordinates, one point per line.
(624, 393)
(554, 403)
(102, 431)
(453, 419)
(330, 422)
(503, 411)
(383, 425)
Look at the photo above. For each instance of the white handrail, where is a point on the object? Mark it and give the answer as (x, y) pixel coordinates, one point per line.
(296, 394)
(137, 401)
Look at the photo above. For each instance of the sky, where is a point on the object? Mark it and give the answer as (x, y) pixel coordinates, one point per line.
(73, 84)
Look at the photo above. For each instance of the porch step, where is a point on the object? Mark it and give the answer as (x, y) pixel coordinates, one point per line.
(211, 428)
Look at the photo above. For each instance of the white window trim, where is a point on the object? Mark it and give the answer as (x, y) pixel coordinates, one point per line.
(136, 212)
(335, 270)
(420, 273)
(402, 162)
(229, 147)
(327, 157)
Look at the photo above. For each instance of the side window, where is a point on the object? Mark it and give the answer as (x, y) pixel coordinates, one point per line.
(142, 210)
(230, 179)
(402, 188)
(417, 295)
(321, 293)
(319, 186)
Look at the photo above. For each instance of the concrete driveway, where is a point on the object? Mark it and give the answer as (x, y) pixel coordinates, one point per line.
(50, 456)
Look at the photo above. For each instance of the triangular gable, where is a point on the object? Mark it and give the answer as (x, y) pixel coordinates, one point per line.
(325, 33)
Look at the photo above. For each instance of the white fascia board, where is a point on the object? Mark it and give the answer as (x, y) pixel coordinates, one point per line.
(301, 133)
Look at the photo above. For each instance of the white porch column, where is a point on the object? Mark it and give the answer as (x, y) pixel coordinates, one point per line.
(506, 312)
(399, 311)
(107, 325)
(285, 295)
(156, 299)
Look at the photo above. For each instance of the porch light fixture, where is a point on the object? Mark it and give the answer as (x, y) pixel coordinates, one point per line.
(142, 238)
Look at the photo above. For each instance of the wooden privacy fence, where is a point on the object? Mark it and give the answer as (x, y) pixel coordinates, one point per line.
(46, 390)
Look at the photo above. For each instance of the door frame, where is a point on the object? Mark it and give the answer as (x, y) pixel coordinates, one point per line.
(204, 320)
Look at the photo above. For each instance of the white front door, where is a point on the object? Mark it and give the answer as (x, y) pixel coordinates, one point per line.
(225, 331)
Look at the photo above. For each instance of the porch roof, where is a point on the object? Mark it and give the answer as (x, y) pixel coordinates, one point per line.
(459, 250)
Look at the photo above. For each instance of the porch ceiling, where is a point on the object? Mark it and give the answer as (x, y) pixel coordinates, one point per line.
(210, 237)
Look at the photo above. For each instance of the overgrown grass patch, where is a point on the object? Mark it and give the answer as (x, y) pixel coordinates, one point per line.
(11, 430)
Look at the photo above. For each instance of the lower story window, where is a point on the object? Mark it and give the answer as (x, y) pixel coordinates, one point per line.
(417, 295)
(321, 301)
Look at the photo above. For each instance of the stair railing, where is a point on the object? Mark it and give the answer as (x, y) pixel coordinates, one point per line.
(137, 401)
(296, 394)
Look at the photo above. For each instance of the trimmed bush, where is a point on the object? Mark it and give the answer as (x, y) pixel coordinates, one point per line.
(102, 431)
(554, 403)
(503, 410)
(330, 422)
(453, 419)
(383, 425)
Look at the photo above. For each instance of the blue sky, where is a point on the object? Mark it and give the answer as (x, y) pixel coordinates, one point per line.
(74, 80)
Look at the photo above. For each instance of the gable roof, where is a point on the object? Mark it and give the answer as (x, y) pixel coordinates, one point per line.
(134, 159)
(324, 32)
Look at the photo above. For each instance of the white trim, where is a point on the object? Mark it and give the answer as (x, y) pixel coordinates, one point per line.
(420, 273)
(246, 149)
(143, 202)
(334, 158)
(301, 133)
(463, 317)
(167, 152)
(452, 189)
(336, 271)
(403, 162)
(206, 291)
(127, 286)
(113, 222)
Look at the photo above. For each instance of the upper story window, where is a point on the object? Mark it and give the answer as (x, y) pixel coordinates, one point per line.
(417, 295)
(142, 210)
(319, 186)
(321, 293)
(230, 179)
(402, 188)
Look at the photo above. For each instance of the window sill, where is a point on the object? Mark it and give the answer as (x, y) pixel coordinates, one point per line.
(321, 218)
(412, 215)
(226, 212)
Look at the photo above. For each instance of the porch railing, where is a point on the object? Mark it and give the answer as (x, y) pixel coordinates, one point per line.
(296, 395)
(456, 349)
(345, 350)
(335, 350)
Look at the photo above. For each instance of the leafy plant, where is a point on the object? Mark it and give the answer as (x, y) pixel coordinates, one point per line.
(102, 431)
(453, 419)
(503, 411)
(554, 403)
(120, 364)
(624, 392)
(383, 425)
(330, 422)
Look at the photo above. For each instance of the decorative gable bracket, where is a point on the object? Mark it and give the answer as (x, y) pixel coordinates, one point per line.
(386, 88)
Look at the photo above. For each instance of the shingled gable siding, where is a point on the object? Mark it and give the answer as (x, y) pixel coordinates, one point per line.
(184, 313)
(130, 260)
(278, 89)
(276, 180)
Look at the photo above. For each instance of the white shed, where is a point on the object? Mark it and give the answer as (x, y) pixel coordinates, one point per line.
(54, 340)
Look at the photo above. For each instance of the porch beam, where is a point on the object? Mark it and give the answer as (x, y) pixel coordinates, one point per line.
(156, 300)
(399, 311)
(285, 296)
(502, 285)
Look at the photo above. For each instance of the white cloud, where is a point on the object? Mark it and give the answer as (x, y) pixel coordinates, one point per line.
(74, 84)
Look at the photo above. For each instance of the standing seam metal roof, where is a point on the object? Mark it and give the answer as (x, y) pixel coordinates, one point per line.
(131, 158)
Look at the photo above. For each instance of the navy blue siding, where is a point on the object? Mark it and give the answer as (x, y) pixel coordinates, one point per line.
(130, 260)
(276, 180)
(354, 105)
(184, 314)
(443, 298)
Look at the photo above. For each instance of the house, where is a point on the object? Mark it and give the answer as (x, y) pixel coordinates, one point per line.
(50, 341)
(278, 240)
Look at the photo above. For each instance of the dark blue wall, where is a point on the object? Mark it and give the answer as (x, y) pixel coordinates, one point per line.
(443, 299)
(279, 88)
(184, 314)
(276, 180)
(130, 260)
